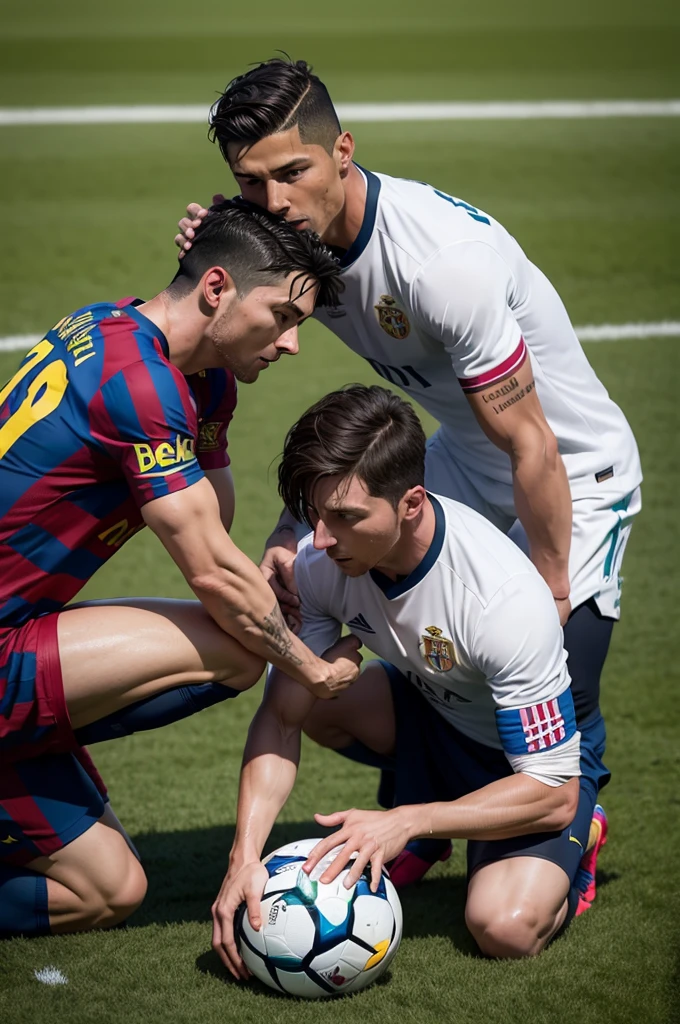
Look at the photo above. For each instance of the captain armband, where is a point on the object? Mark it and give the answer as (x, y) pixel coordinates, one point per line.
(538, 727)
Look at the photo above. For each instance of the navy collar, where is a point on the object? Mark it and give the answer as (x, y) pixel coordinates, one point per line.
(148, 325)
(395, 588)
(363, 238)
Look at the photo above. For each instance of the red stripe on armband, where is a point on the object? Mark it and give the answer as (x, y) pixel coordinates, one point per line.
(504, 369)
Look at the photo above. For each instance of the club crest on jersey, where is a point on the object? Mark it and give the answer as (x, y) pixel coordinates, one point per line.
(392, 319)
(208, 437)
(437, 650)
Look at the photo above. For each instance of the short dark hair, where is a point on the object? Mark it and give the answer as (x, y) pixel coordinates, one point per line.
(271, 98)
(367, 432)
(257, 248)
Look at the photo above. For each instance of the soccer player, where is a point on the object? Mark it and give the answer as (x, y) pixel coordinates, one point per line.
(117, 418)
(442, 301)
(471, 706)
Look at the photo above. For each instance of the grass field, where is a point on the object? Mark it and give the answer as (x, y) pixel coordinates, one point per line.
(88, 213)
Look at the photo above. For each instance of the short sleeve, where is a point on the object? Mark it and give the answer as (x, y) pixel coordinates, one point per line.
(145, 420)
(215, 395)
(319, 630)
(461, 295)
(518, 646)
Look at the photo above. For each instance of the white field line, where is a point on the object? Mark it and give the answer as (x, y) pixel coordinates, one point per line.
(353, 112)
(591, 332)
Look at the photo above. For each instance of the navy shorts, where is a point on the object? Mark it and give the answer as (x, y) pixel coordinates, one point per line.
(45, 803)
(434, 761)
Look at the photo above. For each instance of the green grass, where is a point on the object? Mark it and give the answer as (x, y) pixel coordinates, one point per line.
(86, 51)
(89, 213)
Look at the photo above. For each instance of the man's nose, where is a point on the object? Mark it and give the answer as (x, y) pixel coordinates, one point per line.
(276, 198)
(323, 538)
(288, 342)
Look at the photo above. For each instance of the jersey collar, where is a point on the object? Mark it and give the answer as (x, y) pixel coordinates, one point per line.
(143, 321)
(395, 588)
(366, 230)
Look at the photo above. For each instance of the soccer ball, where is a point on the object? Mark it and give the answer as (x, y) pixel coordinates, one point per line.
(316, 940)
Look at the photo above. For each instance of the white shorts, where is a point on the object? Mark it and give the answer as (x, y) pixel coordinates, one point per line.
(601, 526)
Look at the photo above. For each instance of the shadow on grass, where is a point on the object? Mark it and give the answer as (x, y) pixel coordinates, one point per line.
(210, 963)
(185, 871)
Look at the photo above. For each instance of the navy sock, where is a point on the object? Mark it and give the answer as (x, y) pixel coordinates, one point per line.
(23, 902)
(153, 712)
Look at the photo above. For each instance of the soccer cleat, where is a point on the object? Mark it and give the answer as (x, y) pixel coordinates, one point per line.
(416, 859)
(585, 876)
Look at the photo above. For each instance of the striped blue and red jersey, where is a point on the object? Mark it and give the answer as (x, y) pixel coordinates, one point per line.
(95, 423)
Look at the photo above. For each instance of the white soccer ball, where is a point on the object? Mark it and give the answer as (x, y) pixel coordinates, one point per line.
(318, 941)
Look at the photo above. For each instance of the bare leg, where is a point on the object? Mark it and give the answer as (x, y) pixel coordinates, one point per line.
(363, 712)
(515, 906)
(114, 654)
(95, 881)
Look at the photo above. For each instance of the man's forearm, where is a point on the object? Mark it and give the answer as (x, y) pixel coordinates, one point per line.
(270, 765)
(261, 628)
(544, 507)
(514, 806)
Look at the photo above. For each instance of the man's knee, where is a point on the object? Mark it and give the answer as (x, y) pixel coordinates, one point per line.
(112, 901)
(320, 727)
(102, 901)
(247, 672)
(511, 932)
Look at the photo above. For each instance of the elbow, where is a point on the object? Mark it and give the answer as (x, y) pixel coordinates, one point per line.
(537, 444)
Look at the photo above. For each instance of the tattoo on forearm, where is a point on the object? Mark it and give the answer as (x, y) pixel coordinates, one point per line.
(507, 394)
(279, 636)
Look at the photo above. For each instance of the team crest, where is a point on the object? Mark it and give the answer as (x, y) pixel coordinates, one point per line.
(437, 650)
(392, 319)
(208, 440)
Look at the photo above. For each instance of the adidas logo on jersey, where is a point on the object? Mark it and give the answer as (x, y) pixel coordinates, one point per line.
(359, 622)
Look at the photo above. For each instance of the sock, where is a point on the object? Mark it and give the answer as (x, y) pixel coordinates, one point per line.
(23, 902)
(153, 712)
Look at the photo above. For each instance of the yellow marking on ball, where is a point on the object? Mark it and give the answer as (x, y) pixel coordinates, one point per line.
(380, 951)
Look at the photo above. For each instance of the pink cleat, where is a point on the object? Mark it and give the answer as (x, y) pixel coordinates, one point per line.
(585, 877)
(416, 859)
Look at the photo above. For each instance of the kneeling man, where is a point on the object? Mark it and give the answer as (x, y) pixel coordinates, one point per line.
(471, 706)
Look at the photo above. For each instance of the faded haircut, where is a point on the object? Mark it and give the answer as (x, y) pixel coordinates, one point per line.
(257, 248)
(271, 98)
(364, 432)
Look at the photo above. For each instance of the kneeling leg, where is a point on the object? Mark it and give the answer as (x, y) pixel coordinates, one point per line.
(95, 881)
(515, 906)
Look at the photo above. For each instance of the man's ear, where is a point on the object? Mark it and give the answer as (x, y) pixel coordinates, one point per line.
(343, 152)
(413, 501)
(215, 283)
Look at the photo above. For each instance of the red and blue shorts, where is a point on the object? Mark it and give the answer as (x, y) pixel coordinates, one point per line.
(50, 791)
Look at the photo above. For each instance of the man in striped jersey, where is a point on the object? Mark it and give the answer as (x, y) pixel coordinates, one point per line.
(116, 419)
(441, 300)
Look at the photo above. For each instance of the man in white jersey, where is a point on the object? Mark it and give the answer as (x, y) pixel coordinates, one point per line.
(471, 706)
(442, 301)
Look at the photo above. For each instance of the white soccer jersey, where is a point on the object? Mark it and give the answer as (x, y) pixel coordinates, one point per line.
(474, 627)
(442, 301)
